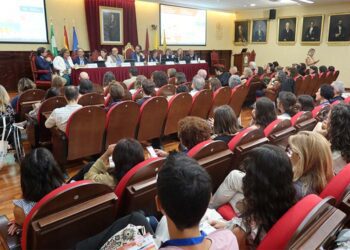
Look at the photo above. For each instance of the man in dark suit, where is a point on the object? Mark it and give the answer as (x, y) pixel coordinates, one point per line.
(259, 35)
(312, 33)
(80, 59)
(339, 32)
(137, 55)
(168, 56)
(43, 62)
(191, 56)
(287, 34)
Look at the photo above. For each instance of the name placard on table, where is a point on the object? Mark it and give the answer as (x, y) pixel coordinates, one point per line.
(139, 64)
(182, 62)
(152, 63)
(126, 64)
(169, 63)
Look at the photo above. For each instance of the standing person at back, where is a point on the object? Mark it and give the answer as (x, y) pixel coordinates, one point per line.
(59, 117)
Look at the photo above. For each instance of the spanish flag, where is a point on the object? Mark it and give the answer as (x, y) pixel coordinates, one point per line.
(65, 38)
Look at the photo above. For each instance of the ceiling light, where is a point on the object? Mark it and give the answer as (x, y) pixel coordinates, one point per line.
(306, 1)
(252, 5)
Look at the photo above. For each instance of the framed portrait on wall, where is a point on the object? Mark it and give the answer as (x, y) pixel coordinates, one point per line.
(312, 29)
(339, 28)
(259, 31)
(287, 28)
(241, 32)
(111, 26)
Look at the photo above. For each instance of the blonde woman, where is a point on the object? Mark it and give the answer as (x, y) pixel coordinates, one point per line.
(23, 84)
(5, 107)
(311, 158)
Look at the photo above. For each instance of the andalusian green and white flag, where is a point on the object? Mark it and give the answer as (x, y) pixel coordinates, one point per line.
(53, 41)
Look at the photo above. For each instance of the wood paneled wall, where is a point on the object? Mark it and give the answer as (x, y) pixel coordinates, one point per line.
(15, 65)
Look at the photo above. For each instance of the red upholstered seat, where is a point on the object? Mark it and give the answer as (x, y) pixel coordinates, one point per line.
(202, 103)
(335, 75)
(166, 90)
(117, 127)
(136, 190)
(76, 143)
(26, 101)
(338, 185)
(36, 72)
(282, 232)
(215, 157)
(245, 136)
(347, 100)
(238, 96)
(172, 80)
(320, 112)
(151, 119)
(221, 97)
(69, 214)
(303, 120)
(91, 99)
(279, 131)
(300, 117)
(335, 103)
(137, 95)
(179, 107)
(227, 212)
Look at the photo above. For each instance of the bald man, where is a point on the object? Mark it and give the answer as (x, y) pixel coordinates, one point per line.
(84, 75)
(202, 73)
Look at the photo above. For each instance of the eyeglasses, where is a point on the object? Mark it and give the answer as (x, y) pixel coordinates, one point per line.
(289, 151)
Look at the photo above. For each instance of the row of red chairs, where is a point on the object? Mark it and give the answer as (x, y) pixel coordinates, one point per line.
(309, 84)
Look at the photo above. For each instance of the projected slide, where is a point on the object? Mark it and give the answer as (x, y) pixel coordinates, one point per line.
(183, 26)
(23, 21)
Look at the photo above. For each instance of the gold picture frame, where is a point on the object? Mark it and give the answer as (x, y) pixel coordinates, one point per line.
(254, 38)
(317, 35)
(245, 26)
(111, 26)
(331, 40)
(290, 38)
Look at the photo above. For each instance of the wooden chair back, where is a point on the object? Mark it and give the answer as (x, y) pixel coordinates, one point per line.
(26, 101)
(238, 96)
(166, 90)
(201, 104)
(221, 97)
(91, 99)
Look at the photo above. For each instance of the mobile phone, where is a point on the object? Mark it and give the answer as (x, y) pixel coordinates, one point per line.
(151, 151)
(111, 162)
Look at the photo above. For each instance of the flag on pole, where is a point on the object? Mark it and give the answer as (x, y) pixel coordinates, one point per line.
(164, 41)
(147, 44)
(65, 38)
(156, 40)
(53, 41)
(75, 40)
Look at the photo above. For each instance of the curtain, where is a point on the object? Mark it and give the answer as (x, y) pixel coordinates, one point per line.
(93, 22)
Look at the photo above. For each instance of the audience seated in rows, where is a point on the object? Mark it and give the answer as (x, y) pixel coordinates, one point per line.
(51, 92)
(40, 174)
(323, 69)
(159, 78)
(339, 89)
(171, 72)
(203, 73)
(133, 73)
(83, 76)
(306, 103)
(214, 84)
(182, 89)
(6, 109)
(116, 92)
(138, 83)
(264, 113)
(59, 116)
(324, 94)
(222, 75)
(337, 127)
(126, 154)
(23, 84)
(149, 89)
(198, 84)
(233, 70)
(287, 105)
(225, 124)
(247, 73)
(85, 87)
(311, 158)
(268, 177)
(58, 82)
(108, 77)
(180, 78)
(234, 81)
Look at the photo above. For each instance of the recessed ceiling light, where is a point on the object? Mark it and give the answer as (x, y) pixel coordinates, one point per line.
(306, 1)
(252, 5)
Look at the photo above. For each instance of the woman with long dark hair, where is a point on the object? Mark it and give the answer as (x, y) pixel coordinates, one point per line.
(263, 113)
(225, 123)
(268, 192)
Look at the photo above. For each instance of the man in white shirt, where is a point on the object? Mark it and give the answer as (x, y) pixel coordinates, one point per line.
(198, 84)
(59, 117)
(133, 73)
(115, 57)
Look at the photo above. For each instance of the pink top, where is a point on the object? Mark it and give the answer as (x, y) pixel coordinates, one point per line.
(220, 240)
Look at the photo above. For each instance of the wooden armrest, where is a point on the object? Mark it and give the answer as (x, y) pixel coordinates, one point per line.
(29, 103)
(282, 133)
(253, 144)
(306, 123)
(7, 241)
(141, 185)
